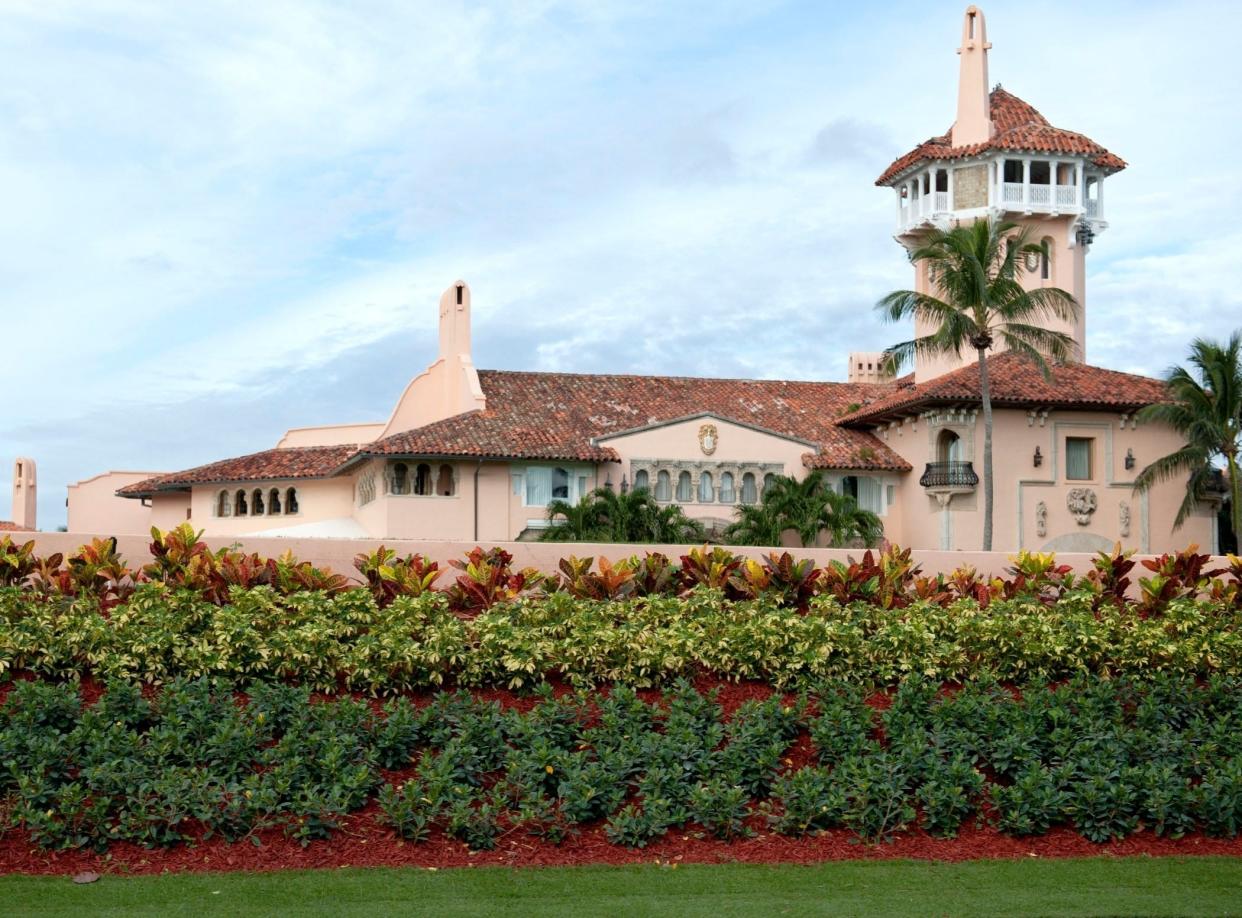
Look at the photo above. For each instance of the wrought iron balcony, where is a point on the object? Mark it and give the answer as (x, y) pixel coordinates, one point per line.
(955, 475)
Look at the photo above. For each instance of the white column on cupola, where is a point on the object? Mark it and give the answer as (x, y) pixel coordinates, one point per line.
(974, 118)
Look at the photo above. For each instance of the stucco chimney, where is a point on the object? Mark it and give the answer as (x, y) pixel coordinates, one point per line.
(455, 322)
(25, 493)
(974, 118)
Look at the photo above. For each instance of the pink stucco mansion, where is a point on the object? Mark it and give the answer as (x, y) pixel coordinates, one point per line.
(470, 454)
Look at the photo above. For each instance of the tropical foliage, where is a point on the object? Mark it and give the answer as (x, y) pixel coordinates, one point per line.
(977, 301)
(1205, 408)
(809, 508)
(632, 517)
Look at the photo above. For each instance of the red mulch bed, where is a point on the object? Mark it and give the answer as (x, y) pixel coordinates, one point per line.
(362, 842)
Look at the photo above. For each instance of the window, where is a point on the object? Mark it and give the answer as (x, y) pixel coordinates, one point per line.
(291, 500)
(641, 480)
(1045, 259)
(750, 493)
(224, 506)
(366, 489)
(445, 485)
(768, 480)
(948, 447)
(664, 486)
(707, 493)
(256, 502)
(545, 484)
(1078, 458)
(560, 484)
(726, 488)
(684, 490)
(400, 478)
(273, 502)
(538, 487)
(1041, 172)
(422, 479)
(239, 503)
(1013, 171)
(869, 494)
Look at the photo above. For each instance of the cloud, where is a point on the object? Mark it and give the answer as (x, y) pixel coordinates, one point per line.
(225, 219)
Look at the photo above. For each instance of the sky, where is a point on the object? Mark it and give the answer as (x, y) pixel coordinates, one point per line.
(224, 219)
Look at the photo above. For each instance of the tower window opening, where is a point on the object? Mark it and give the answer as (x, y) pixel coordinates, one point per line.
(459, 294)
(971, 25)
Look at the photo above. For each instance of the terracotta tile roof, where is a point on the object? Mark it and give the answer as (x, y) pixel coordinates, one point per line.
(1015, 381)
(1019, 128)
(268, 465)
(559, 415)
(9, 526)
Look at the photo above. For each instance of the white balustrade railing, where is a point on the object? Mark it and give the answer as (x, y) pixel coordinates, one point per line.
(942, 201)
(1093, 208)
(1040, 195)
(1011, 193)
(1067, 196)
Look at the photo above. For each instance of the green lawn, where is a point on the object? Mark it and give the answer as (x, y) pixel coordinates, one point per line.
(1136, 886)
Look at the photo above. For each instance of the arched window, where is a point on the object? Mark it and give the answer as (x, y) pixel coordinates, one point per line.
(273, 502)
(224, 506)
(768, 480)
(707, 493)
(256, 503)
(445, 486)
(400, 478)
(239, 503)
(664, 486)
(422, 479)
(684, 490)
(642, 481)
(291, 500)
(726, 488)
(750, 493)
(948, 447)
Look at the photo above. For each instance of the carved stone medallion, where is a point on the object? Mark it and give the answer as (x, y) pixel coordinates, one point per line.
(708, 438)
(1082, 503)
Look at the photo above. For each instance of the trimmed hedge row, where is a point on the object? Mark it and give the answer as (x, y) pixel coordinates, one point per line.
(347, 640)
(1107, 756)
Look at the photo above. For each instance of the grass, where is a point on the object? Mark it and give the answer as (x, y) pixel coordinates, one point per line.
(1094, 886)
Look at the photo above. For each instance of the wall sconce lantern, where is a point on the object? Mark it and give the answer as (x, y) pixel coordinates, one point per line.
(1129, 459)
(1038, 458)
(608, 483)
(625, 485)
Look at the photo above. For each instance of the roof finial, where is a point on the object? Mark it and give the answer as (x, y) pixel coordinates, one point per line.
(974, 119)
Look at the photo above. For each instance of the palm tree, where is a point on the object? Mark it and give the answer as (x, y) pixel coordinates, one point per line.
(977, 270)
(1207, 412)
(606, 516)
(808, 507)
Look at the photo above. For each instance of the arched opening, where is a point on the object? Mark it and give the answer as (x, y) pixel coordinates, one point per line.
(948, 447)
(256, 503)
(239, 503)
(422, 479)
(684, 491)
(445, 486)
(1045, 260)
(273, 502)
(707, 493)
(726, 488)
(224, 506)
(400, 478)
(640, 480)
(768, 480)
(560, 484)
(291, 500)
(750, 491)
(664, 486)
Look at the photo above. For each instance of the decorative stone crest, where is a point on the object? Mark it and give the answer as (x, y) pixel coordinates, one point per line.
(1041, 519)
(1125, 519)
(708, 439)
(1082, 503)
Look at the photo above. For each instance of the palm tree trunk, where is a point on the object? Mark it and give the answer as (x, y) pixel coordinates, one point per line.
(985, 396)
(1235, 498)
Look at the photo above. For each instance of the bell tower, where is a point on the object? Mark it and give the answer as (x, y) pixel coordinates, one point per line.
(25, 493)
(1002, 160)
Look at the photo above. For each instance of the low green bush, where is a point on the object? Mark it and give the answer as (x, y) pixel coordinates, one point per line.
(347, 640)
(201, 759)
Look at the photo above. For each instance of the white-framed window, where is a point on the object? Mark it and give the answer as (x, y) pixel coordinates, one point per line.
(1078, 464)
(542, 484)
(684, 488)
(727, 495)
(707, 493)
(664, 486)
(641, 480)
(224, 504)
(750, 491)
